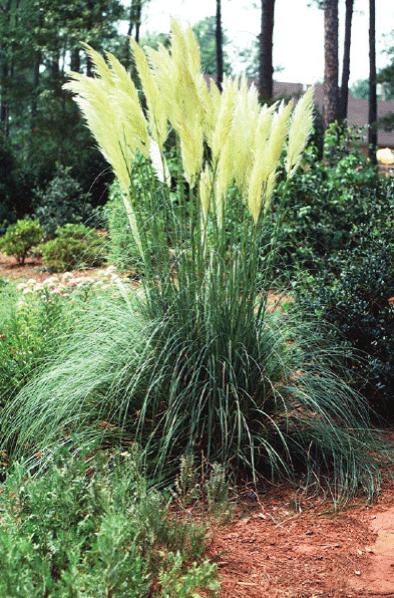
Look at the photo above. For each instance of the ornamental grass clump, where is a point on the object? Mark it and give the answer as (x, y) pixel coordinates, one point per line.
(195, 364)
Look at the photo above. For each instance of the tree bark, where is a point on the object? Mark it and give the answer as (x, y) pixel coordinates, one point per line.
(4, 107)
(330, 87)
(36, 82)
(135, 19)
(219, 45)
(266, 70)
(343, 100)
(75, 60)
(373, 109)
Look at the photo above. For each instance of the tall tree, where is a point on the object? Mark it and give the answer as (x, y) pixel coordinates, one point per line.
(266, 70)
(373, 109)
(330, 87)
(135, 19)
(205, 32)
(38, 40)
(219, 45)
(343, 100)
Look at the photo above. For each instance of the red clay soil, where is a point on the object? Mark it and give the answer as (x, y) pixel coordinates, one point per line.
(33, 268)
(282, 548)
(279, 546)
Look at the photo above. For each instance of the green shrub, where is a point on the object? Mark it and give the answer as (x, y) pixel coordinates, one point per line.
(20, 238)
(75, 247)
(91, 526)
(357, 303)
(328, 208)
(62, 202)
(29, 319)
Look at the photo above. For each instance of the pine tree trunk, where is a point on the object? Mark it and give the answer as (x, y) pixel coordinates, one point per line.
(266, 70)
(373, 109)
(343, 100)
(4, 107)
(330, 87)
(219, 45)
(36, 82)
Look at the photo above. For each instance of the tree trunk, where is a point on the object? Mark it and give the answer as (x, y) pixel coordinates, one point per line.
(266, 70)
(373, 110)
(343, 100)
(4, 107)
(330, 87)
(75, 60)
(36, 82)
(219, 45)
(135, 19)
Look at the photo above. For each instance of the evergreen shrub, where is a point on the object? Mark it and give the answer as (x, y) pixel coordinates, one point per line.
(359, 303)
(329, 207)
(20, 238)
(76, 246)
(62, 202)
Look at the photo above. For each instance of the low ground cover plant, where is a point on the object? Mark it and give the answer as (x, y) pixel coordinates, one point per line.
(91, 526)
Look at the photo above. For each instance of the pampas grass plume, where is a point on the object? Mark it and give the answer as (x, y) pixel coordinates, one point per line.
(300, 130)
(157, 113)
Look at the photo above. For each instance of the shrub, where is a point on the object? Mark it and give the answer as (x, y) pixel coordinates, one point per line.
(91, 526)
(30, 318)
(358, 304)
(328, 208)
(62, 202)
(20, 238)
(76, 246)
(35, 315)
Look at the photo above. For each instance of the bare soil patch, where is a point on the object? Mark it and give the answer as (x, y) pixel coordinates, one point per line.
(33, 268)
(277, 547)
(281, 546)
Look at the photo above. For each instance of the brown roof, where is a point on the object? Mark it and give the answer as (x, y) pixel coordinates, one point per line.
(357, 109)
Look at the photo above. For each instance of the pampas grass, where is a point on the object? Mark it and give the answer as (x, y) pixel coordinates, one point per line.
(194, 363)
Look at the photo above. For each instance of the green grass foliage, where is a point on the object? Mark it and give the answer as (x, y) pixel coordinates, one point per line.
(123, 251)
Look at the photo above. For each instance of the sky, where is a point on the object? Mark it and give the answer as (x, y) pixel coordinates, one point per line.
(298, 32)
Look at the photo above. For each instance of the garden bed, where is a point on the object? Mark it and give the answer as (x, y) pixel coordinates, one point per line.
(280, 544)
(33, 268)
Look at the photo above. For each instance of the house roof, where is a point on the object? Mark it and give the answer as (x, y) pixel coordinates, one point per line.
(357, 109)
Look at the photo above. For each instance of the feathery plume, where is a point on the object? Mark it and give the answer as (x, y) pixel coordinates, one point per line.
(300, 130)
(205, 189)
(224, 119)
(156, 112)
